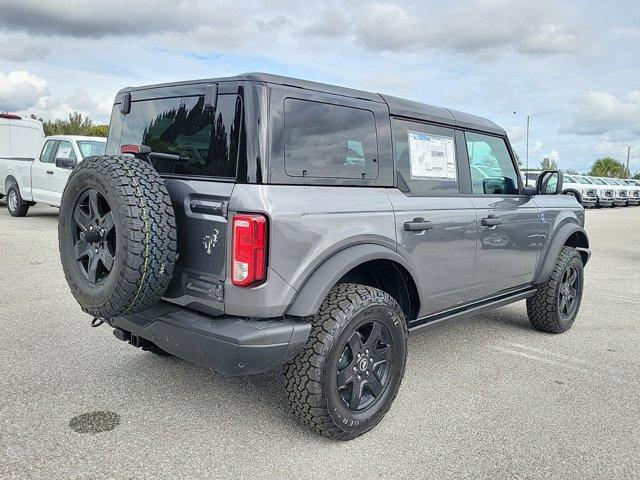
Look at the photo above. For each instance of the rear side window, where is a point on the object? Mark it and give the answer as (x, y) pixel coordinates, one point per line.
(329, 141)
(205, 140)
(425, 158)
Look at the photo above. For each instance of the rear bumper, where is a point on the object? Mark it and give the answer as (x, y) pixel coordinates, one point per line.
(228, 345)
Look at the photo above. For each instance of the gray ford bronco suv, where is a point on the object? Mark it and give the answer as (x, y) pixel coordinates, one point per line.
(259, 222)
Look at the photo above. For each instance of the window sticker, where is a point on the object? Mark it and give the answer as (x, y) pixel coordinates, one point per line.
(431, 156)
(64, 152)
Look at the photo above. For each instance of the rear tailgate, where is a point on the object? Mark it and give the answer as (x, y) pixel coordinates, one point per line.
(195, 134)
(201, 220)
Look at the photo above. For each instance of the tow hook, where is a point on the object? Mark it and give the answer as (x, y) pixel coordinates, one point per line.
(96, 322)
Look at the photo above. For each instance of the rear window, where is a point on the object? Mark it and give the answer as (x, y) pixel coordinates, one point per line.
(329, 141)
(205, 140)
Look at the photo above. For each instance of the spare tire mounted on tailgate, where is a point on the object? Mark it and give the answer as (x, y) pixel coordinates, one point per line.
(117, 235)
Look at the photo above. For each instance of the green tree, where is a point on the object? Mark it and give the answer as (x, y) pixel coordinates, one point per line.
(76, 124)
(608, 167)
(98, 130)
(548, 164)
(637, 176)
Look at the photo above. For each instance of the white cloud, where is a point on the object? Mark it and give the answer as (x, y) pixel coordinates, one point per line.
(480, 27)
(603, 113)
(20, 90)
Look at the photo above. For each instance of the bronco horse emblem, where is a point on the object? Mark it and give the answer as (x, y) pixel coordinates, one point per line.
(209, 241)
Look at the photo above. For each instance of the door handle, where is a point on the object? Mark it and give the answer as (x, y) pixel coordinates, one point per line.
(418, 224)
(491, 221)
(49, 172)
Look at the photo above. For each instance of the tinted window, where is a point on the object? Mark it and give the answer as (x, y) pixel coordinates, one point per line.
(90, 148)
(425, 158)
(494, 172)
(65, 150)
(47, 152)
(331, 141)
(205, 141)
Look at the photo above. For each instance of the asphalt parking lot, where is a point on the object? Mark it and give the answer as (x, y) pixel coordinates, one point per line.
(484, 398)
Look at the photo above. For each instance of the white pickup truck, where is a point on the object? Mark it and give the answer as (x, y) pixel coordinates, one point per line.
(26, 181)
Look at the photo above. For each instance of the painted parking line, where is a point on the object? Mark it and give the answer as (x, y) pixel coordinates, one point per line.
(565, 365)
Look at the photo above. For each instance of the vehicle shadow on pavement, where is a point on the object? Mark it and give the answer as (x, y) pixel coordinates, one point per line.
(255, 403)
(258, 403)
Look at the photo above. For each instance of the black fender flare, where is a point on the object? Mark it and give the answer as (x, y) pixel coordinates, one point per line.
(548, 260)
(317, 286)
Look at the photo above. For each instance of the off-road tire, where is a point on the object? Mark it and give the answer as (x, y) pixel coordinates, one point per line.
(145, 231)
(21, 207)
(542, 308)
(309, 376)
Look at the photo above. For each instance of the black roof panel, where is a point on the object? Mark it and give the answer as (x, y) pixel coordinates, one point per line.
(397, 106)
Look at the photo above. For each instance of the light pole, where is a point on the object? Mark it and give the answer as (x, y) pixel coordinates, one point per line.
(628, 153)
(527, 143)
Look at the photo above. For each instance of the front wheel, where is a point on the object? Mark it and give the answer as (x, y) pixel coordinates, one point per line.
(346, 378)
(555, 305)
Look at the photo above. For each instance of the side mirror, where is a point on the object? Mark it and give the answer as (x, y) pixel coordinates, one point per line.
(67, 163)
(549, 183)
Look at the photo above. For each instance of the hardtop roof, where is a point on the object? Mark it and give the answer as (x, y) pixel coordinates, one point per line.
(397, 106)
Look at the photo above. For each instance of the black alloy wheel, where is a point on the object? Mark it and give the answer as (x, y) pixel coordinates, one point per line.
(568, 292)
(364, 366)
(94, 236)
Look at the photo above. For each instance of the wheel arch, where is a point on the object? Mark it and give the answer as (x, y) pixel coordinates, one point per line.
(368, 264)
(569, 235)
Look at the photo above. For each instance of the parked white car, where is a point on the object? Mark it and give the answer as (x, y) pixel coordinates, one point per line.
(620, 192)
(634, 190)
(576, 186)
(605, 192)
(26, 181)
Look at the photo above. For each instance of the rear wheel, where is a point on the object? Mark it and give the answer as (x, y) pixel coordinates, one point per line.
(345, 380)
(15, 204)
(554, 307)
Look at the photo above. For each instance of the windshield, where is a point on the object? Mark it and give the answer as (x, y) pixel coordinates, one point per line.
(91, 148)
(610, 181)
(584, 181)
(599, 181)
(570, 179)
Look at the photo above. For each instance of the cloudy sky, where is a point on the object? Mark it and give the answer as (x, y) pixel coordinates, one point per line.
(573, 66)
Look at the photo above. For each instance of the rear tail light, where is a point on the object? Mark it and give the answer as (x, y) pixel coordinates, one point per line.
(130, 149)
(249, 249)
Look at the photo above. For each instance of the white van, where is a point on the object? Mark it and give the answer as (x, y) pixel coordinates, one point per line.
(21, 140)
(28, 180)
